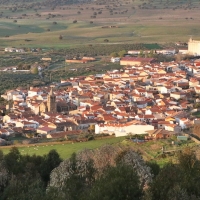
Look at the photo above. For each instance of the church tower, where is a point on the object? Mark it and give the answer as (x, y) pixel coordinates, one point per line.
(51, 102)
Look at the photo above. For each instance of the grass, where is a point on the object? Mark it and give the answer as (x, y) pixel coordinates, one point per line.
(64, 149)
(169, 21)
(145, 30)
(151, 150)
(11, 28)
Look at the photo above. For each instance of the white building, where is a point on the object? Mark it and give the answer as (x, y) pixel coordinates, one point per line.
(194, 47)
(115, 59)
(133, 127)
(166, 51)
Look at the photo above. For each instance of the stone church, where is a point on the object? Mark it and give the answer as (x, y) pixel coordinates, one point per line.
(50, 105)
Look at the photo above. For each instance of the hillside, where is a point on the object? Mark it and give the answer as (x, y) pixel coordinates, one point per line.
(41, 22)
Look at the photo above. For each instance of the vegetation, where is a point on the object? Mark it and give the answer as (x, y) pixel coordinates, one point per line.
(196, 114)
(39, 23)
(34, 70)
(65, 149)
(177, 181)
(14, 80)
(110, 172)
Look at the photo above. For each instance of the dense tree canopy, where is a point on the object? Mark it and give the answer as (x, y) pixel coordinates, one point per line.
(107, 173)
(116, 183)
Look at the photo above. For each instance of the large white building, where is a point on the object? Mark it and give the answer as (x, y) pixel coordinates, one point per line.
(133, 127)
(194, 47)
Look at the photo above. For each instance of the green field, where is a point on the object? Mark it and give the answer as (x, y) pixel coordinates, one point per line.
(151, 151)
(135, 22)
(65, 150)
(83, 33)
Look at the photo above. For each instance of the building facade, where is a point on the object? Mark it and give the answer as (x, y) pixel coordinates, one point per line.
(194, 47)
(51, 102)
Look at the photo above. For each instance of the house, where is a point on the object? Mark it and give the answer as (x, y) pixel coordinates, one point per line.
(166, 89)
(162, 124)
(35, 91)
(84, 124)
(26, 124)
(76, 61)
(10, 49)
(89, 59)
(115, 59)
(45, 130)
(167, 51)
(133, 52)
(20, 50)
(193, 82)
(4, 132)
(177, 95)
(64, 134)
(141, 104)
(135, 61)
(9, 118)
(185, 123)
(173, 127)
(145, 118)
(158, 134)
(46, 59)
(9, 94)
(197, 89)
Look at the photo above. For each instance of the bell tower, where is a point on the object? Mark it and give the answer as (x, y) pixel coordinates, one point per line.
(51, 101)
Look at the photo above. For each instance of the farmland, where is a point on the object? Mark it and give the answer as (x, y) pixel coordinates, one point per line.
(36, 25)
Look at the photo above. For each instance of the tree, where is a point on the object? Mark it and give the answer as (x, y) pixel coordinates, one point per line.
(122, 53)
(116, 183)
(78, 179)
(181, 178)
(24, 188)
(114, 54)
(151, 54)
(34, 70)
(90, 165)
(179, 57)
(141, 54)
(3, 173)
(155, 168)
(12, 161)
(60, 37)
(130, 135)
(20, 66)
(51, 161)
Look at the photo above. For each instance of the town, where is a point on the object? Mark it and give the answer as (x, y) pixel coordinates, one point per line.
(145, 97)
(99, 100)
